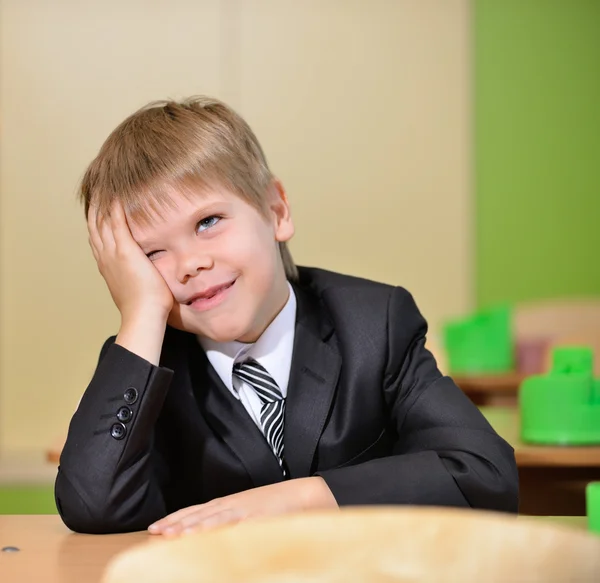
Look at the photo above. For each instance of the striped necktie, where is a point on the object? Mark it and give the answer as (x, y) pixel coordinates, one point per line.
(273, 404)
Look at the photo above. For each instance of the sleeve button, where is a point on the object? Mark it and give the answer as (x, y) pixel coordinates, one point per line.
(124, 414)
(131, 395)
(118, 431)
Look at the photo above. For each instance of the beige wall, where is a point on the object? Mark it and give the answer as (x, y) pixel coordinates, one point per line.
(362, 108)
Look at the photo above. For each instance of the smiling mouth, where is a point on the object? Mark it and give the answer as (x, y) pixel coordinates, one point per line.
(212, 294)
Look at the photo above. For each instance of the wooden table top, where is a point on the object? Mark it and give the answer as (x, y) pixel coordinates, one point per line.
(498, 383)
(505, 420)
(49, 552)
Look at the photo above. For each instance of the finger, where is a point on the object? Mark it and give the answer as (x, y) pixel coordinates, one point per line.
(120, 228)
(104, 226)
(223, 518)
(94, 252)
(92, 224)
(174, 518)
(204, 520)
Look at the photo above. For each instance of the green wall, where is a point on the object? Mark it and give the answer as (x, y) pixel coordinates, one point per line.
(537, 148)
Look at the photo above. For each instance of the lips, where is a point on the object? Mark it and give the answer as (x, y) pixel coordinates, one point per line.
(209, 293)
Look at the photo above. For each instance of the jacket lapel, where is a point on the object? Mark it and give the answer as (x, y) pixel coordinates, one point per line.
(315, 369)
(228, 419)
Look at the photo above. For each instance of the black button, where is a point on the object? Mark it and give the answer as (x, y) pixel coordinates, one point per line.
(118, 431)
(131, 395)
(124, 414)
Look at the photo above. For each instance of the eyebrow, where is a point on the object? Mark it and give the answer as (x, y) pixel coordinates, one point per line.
(210, 208)
(197, 214)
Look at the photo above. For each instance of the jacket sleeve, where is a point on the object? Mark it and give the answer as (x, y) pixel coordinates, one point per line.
(110, 473)
(445, 452)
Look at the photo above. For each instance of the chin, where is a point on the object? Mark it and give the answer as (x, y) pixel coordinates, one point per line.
(218, 337)
(220, 329)
(225, 333)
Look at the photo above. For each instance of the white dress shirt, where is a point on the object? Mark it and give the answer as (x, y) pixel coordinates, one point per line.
(273, 350)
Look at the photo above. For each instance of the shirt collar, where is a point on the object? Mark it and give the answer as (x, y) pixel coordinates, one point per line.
(273, 349)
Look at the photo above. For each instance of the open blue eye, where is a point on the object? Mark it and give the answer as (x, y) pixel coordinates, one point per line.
(207, 223)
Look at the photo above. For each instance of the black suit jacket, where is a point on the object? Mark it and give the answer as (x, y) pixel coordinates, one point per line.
(367, 409)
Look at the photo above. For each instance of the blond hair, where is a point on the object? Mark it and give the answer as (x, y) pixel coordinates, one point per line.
(191, 144)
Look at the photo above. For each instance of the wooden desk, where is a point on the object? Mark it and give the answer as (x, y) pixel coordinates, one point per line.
(579, 522)
(552, 478)
(506, 422)
(52, 554)
(53, 452)
(53, 455)
(501, 389)
(49, 552)
(500, 383)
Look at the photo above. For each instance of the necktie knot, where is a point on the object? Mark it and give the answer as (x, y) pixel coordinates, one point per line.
(259, 379)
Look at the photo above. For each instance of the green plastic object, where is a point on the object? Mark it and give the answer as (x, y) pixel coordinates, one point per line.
(482, 343)
(563, 406)
(592, 499)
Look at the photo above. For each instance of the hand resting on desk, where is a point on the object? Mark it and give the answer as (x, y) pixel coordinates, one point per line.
(281, 498)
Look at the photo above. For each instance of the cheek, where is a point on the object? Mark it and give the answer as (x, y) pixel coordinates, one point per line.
(166, 270)
(252, 248)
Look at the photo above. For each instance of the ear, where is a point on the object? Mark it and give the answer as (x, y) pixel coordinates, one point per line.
(280, 212)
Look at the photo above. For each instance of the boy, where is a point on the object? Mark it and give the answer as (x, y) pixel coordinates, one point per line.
(239, 385)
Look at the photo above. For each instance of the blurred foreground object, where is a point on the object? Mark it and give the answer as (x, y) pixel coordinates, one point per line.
(372, 545)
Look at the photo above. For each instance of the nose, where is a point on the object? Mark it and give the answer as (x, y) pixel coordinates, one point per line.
(191, 264)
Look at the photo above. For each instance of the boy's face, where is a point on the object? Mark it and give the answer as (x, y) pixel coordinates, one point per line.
(220, 258)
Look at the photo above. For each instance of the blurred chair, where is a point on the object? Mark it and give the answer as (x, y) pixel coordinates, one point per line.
(374, 545)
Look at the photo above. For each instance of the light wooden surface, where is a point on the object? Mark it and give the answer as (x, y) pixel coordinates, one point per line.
(49, 552)
(578, 522)
(499, 390)
(53, 452)
(53, 455)
(494, 384)
(375, 545)
(505, 421)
